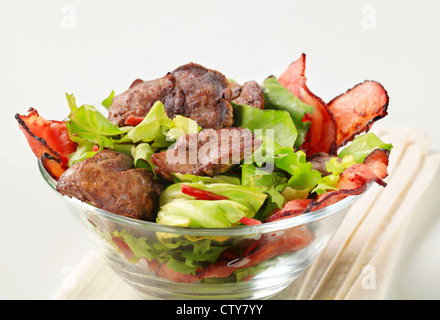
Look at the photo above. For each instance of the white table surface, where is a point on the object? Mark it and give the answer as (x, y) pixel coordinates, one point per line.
(88, 48)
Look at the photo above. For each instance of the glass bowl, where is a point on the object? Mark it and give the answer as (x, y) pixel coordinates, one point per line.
(246, 262)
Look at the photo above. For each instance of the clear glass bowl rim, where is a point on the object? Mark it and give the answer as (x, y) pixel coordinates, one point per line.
(282, 224)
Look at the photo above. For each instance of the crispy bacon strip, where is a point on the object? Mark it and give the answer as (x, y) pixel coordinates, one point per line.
(378, 161)
(165, 272)
(356, 110)
(49, 141)
(293, 78)
(355, 179)
(290, 209)
(53, 165)
(322, 133)
(123, 247)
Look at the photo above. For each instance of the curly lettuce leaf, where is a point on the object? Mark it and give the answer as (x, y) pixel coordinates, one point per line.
(303, 176)
(179, 253)
(153, 127)
(363, 145)
(182, 126)
(335, 166)
(86, 123)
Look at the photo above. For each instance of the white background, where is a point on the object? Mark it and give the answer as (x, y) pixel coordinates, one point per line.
(88, 48)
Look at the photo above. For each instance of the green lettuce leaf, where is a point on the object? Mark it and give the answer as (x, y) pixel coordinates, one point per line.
(271, 182)
(221, 178)
(335, 166)
(86, 123)
(182, 127)
(153, 127)
(249, 196)
(279, 98)
(179, 253)
(142, 156)
(203, 213)
(276, 125)
(83, 151)
(107, 102)
(303, 176)
(179, 209)
(363, 145)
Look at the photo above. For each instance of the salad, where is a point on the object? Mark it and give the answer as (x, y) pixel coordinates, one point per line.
(195, 149)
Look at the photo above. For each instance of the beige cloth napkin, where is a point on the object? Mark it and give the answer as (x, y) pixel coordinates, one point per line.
(360, 259)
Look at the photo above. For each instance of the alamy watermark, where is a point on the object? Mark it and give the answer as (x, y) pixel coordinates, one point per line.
(68, 21)
(225, 146)
(68, 282)
(368, 20)
(368, 277)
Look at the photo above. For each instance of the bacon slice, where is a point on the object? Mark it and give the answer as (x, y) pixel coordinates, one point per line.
(322, 133)
(377, 161)
(355, 179)
(53, 165)
(293, 78)
(123, 247)
(49, 141)
(356, 110)
(290, 209)
(165, 272)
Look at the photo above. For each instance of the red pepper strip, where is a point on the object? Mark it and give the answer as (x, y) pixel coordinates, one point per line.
(201, 194)
(133, 121)
(250, 221)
